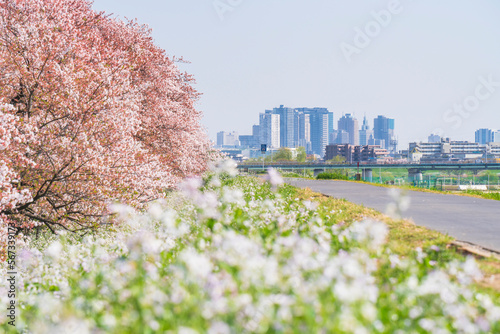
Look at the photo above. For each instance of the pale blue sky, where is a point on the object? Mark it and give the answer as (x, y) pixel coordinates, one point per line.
(429, 56)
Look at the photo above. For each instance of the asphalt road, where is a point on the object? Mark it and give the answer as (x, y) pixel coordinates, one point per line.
(465, 218)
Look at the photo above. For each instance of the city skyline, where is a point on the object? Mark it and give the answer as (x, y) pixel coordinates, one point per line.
(472, 136)
(381, 133)
(422, 66)
(313, 129)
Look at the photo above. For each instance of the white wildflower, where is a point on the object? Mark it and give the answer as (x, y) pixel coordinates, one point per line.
(311, 206)
(400, 204)
(233, 196)
(197, 264)
(143, 242)
(54, 250)
(226, 166)
(273, 177)
(219, 327)
(190, 187)
(186, 330)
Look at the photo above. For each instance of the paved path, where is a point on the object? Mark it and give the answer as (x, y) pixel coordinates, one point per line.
(465, 218)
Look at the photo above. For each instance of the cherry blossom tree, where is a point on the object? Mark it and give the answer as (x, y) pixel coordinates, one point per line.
(92, 112)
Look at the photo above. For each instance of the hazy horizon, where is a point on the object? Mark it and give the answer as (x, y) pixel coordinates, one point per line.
(413, 65)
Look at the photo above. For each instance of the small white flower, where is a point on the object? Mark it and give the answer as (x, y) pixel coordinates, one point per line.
(369, 312)
(155, 210)
(233, 196)
(54, 250)
(198, 264)
(471, 269)
(369, 232)
(143, 242)
(311, 206)
(273, 177)
(219, 327)
(154, 325)
(226, 166)
(435, 248)
(190, 187)
(71, 325)
(401, 203)
(186, 330)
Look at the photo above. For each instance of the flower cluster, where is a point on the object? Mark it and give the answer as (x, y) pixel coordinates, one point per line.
(229, 255)
(91, 112)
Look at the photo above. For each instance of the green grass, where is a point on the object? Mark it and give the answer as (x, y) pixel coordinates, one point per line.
(332, 176)
(491, 195)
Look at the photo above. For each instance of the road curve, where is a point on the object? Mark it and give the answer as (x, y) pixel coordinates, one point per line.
(465, 218)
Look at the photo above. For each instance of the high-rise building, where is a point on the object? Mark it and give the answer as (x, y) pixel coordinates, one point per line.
(356, 153)
(434, 138)
(319, 132)
(342, 137)
(269, 129)
(320, 121)
(253, 140)
(287, 125)
(485, 136)
(330, 124)
(496, 136)
(248, 141)
(383, 128)
(365, 134)
(256, 130)
(332, 137)
(304, 130)
(376, 142)
(227, 138)
(350, 124)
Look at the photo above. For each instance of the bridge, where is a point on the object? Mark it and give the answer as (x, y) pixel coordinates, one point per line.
(414, 170)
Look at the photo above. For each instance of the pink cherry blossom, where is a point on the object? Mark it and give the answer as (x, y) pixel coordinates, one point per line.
(91, 113)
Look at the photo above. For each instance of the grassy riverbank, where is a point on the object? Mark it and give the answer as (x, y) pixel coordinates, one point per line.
(235, 254)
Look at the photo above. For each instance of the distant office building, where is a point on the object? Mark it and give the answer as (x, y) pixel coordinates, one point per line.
(342, 137)
(332, 137)
(449, 150)
(319, 131)
(304, 130)
(269, 129)
(234, 153)
(307, 127)
(376, 142)
(434, 138)
(496, 136)
(365, 134)
(494, 150)
(485, 136)
(253, 140)
(256, 130)
(383, 128)
(356, 153)
(320, 123)
(287, 125)
(330, 124)
(350, 124)
(225, 139)
(249, 141)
